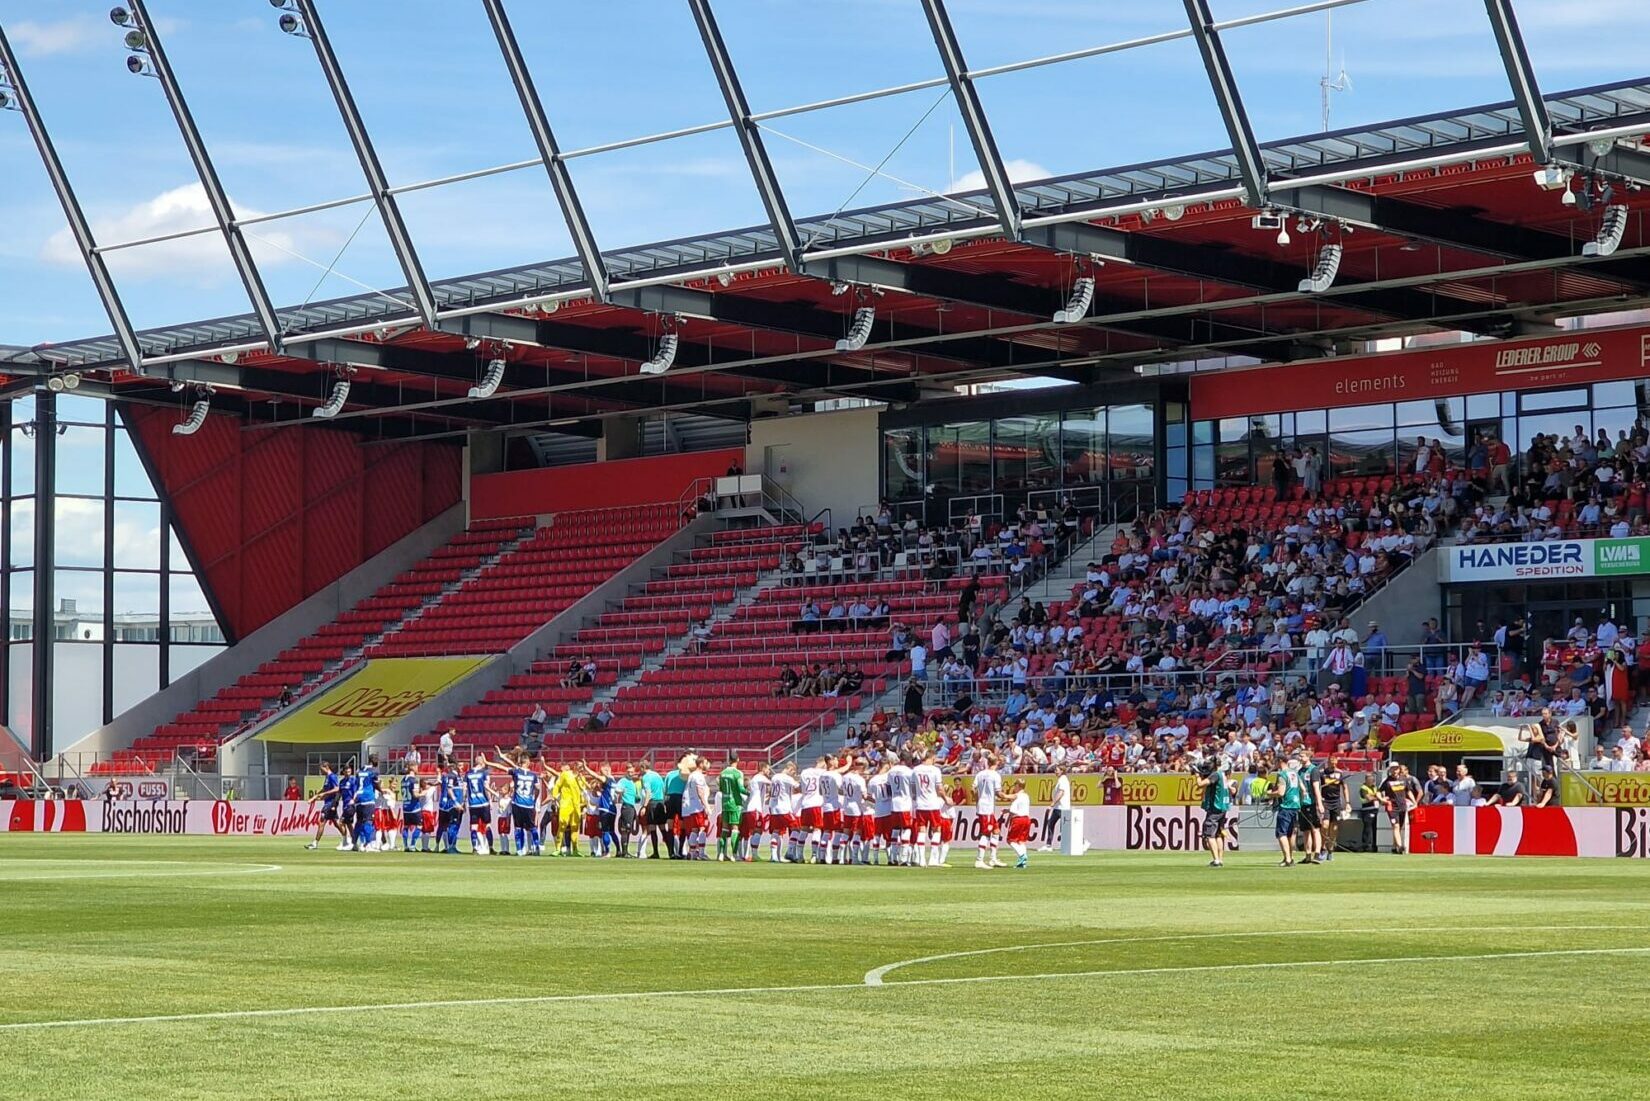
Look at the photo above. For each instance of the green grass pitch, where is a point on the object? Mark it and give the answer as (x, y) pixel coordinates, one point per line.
(1373, 977)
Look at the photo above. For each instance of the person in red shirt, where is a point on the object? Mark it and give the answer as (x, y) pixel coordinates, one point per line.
(292, 792)
(1500, 465)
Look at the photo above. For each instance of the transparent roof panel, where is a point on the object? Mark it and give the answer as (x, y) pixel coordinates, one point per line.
(165, 283)
(698, 184)
(486, 223)
(325, 254)
(790, 52)
(260, 101)
(994, 34)
(1389, 60)
(897, 149)
(1576, 44)
(430, 84)
(612, 71)
(1144, 104)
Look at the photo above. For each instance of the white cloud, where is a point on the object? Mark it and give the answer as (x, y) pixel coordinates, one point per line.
(65, 36)
(1019, 171)
(203, 256)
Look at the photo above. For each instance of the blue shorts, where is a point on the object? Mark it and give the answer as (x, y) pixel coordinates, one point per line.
(1286, 821)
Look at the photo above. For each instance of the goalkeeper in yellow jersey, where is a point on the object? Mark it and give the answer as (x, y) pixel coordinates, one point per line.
(568, 794)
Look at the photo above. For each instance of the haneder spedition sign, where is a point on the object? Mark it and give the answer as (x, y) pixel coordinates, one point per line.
(1556, 559)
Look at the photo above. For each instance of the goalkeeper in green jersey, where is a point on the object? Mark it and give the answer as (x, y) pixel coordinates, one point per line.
(731, 784)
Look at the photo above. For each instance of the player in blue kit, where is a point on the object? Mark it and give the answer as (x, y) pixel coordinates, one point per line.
(412, 818)
(366, 806)
(526, 792)
(479, 799)
(346, 806)
(331, 787)
(452, 809)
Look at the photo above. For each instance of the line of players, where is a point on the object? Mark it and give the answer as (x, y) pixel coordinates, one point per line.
(836, 811)
(845, 811)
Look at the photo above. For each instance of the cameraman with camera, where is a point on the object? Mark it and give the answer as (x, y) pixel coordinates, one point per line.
(1216, 793)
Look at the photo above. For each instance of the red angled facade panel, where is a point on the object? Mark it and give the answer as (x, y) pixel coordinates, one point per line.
(395, 503)
(273, 515)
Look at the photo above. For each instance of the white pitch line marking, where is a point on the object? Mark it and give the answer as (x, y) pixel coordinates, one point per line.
(228, 869)
(875, 976)
(547, 999)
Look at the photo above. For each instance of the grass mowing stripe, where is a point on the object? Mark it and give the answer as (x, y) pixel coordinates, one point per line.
(635, 995)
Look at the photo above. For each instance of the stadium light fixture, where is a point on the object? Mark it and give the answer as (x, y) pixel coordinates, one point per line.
(490, 381)
(1283, 236)
(335, 400)
(1610, 231)
(1323, 274)
(1077, 306)
(665, 356)
(860, 331)
(197, 413)
(120, 17)
(69, 380)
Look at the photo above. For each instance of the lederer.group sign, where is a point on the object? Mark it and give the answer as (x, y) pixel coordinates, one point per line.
(1553, 560)
(385, 690)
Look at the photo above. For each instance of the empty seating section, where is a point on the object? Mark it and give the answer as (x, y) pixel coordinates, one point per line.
(721, 693)
(211, 720)
(534, 582)
(685, 594)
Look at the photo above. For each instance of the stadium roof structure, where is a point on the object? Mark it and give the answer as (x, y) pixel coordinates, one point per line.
(1493, 220)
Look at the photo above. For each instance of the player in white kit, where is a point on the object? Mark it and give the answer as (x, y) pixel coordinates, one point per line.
(902, 790)
(882, 809)
(695, 810)
(929, 805)
(857, 815)
(782, 807)
(1019, 822)
(830, 791)
(753, 823)
(988, 784)
(809, 834)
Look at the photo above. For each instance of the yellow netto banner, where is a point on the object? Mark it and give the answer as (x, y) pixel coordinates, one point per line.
(385, 690)
(1176, 789)
(1604, 789)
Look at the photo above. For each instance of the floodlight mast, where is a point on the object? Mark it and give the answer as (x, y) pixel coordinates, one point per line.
(240, 253)
(102, 281)
(389, 209)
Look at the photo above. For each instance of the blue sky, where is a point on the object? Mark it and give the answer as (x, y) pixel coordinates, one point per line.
(437, 100)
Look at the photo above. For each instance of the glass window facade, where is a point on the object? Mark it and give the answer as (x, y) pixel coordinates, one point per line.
(1004, 462)
(1384, 438)
(127, 614)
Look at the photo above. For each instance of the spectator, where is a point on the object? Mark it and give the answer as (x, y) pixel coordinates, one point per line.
(286, 697)
(1374, 646)
(444, 755)
(292, 792)
(602, 717)
(532, 729)
(1464, 791)
(787, 682)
